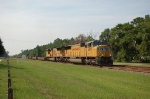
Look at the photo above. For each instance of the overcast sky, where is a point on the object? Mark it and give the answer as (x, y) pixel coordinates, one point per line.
(24, 24)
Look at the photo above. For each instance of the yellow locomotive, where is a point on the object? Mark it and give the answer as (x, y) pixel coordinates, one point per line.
(93, 53)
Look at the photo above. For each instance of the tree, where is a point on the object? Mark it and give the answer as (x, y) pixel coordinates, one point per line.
(72, 41)
(105, 35)
(38, 51)
(129, 41)
(81, 38)
(57, 42)
(91, 36)
(2, 49)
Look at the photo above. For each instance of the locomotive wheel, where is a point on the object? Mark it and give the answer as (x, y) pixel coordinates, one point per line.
(66, 60)
(90, 61)
(83, 61)
(102, 62)
(111, 62)
(106, 62)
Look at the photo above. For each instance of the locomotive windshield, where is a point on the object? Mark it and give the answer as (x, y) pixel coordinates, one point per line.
(96, 43)
(104, 49)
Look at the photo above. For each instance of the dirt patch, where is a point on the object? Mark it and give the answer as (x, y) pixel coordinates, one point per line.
(130, 68)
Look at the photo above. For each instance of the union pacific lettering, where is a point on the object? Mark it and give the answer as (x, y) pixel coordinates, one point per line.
(89, 49)
(74, 49)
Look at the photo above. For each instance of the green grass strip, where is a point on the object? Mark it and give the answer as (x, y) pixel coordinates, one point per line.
(33, 79)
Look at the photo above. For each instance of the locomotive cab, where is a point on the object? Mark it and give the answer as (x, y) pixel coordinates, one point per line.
(104, 55)
(103, 51)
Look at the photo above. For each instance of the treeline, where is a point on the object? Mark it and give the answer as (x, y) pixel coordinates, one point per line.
(40, 50)
(129, 41)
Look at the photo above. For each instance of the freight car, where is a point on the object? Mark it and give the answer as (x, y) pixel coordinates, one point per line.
(93, 53)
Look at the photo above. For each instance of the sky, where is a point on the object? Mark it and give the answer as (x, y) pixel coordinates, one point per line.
(24, 24)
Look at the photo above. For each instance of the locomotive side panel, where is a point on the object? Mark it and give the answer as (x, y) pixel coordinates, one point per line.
(68, 52)
(48, 53)
(92, 51)
(82, 52)
(75, 51)
(54, 52)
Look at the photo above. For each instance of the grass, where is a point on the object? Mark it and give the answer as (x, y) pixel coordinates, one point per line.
(48, 80)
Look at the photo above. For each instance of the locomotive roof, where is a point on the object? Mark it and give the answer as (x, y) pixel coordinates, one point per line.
(49, 49)
(79, 44)
(58, 48)
(66, 47)
(74, 44)
(97, 41)
(93, 41)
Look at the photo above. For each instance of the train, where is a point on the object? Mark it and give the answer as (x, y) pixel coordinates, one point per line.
(92, 53)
